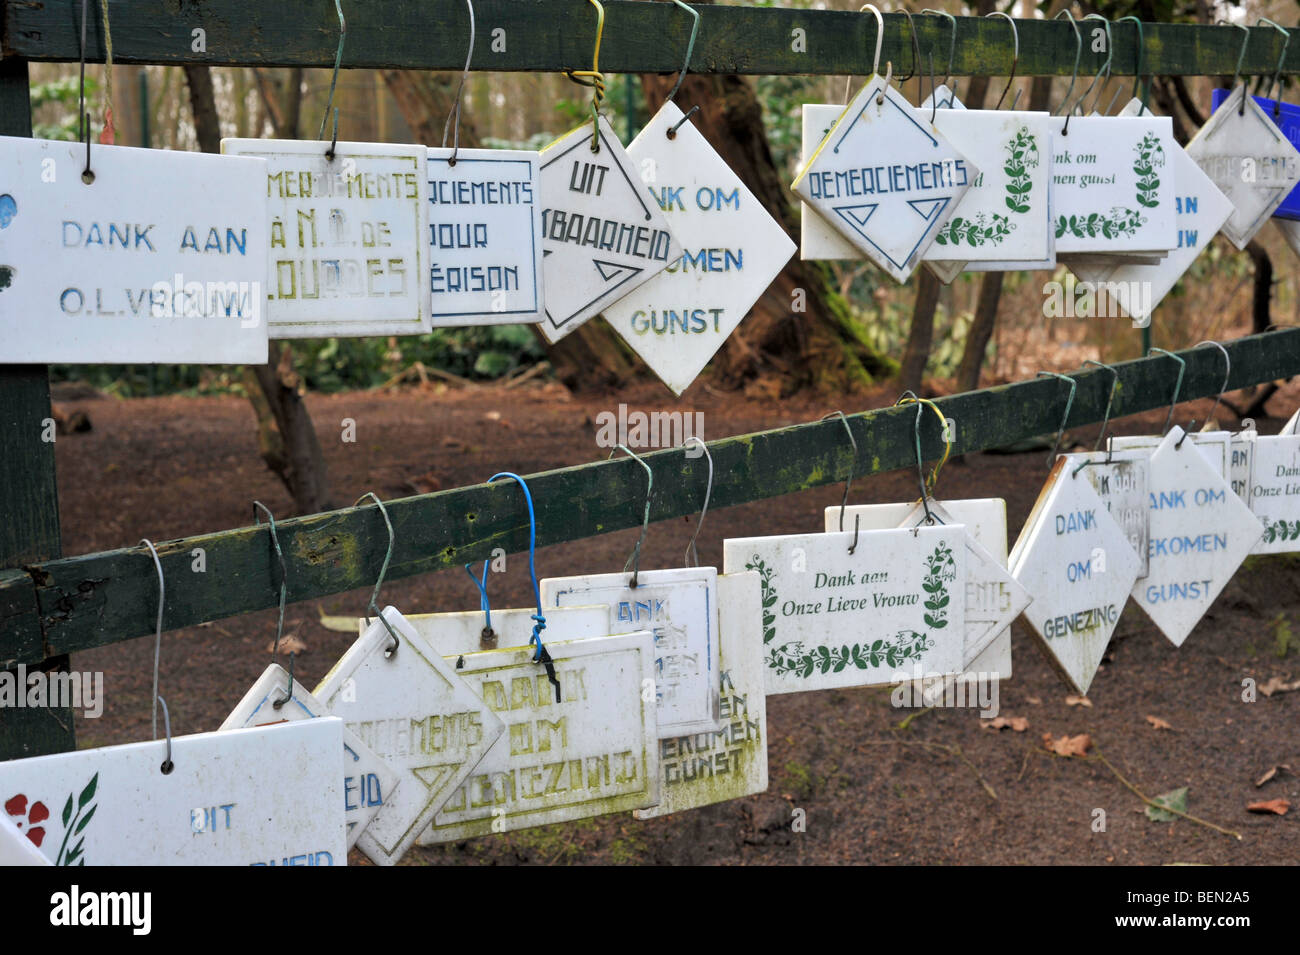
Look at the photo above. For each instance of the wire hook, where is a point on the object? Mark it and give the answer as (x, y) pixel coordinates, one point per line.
(875, 63)
(1281, 58)
(460, 89)
(593, 77)
(383, 571)
(1078, 52)
(849, 480)
(1178, 384)
(83, 115)
(1015, 59)
(952, 40)
(691, 553)
(634, 559)
(539, 621)
(690, 48)
(1069, 403)
(289, 694)
(1105, 419)
(487, 637)
(157, 638)
(338, 60)
(1227, 373)
(1141, 57)
(167, 764)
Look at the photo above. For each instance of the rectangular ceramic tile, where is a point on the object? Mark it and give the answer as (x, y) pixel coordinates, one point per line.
(485, 237)
(593, 752)
(162, 258)
(1275, 493)
(1113, 190)
(986, 525)
(731, 762)
(680, 607)
(348, 237)
(857, 619)
(269, 795)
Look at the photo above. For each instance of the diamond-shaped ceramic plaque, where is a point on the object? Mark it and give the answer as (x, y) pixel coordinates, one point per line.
(602, 233)
(1113, 188)
(731, 762)
(367, 779)
(1120, 480)
(680, 607)
(419, 716)
(1075, 561)
(866, 618)
(485, 237)
(348, 237)
(1275, 493)
(1249, 159)
(1200, 210)
(1200, 534)
(732, 249)
(986, 524)
(592, 752)
(993, 597)
(818, 239)
(886, 178)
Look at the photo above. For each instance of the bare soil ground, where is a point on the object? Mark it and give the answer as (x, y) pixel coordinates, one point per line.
(944, 790)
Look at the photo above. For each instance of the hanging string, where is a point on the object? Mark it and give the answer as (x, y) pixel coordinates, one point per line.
(107, 135)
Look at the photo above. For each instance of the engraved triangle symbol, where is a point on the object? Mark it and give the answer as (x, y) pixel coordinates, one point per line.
(611, 270)
(927, 209)
(435, 777)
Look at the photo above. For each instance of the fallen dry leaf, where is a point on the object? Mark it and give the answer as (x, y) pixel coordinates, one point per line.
(1068, 745)
(1017, 723)
(1279, 806)
(1277, 684)
(1270, 774)
(1158, 723)
(293, 644)
(1034, 700)
(1073, 700)
(492, 415)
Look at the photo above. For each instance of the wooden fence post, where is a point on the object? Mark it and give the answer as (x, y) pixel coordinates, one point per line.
(29, 500)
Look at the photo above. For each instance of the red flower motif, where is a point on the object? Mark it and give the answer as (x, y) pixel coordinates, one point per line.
(28, 819)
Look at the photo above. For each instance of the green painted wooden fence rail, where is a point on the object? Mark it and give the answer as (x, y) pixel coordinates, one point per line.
(639, 37)
(98, 599)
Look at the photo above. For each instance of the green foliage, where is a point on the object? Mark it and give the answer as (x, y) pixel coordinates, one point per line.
(54, 107)
(481, 352)
(1174, 799)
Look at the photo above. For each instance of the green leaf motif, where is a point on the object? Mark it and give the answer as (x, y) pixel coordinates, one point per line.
(88, 793)
(67, 811)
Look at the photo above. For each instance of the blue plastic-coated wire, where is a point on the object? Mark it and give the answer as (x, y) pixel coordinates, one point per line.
(482, 593)
(539, 620)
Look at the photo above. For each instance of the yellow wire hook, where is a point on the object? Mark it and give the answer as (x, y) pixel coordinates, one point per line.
(593, 78)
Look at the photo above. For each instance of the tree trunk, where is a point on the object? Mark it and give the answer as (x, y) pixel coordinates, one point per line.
(981, 330)
(286, 435)
(921, 335)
